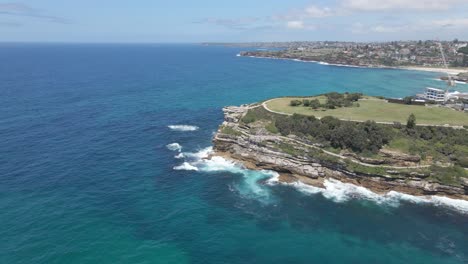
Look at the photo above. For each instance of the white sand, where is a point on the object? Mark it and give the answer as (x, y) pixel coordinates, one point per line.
(452, 71)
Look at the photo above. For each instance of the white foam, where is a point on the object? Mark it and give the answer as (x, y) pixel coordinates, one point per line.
(174, 147)
(179, 156)
(342, 192)
(183, 127)
(249, 187)
(337, 191)
(460, 205)
(186, 166)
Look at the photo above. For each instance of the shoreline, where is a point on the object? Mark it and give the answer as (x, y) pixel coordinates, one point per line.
(297, 161)
(450, 71)
(378, 188)
(439, 70)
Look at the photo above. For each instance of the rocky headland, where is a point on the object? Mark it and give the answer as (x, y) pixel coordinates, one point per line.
(296, 159)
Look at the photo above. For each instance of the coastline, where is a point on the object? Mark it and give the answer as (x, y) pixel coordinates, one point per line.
(450, 71)
(377, 187)
(256, 150)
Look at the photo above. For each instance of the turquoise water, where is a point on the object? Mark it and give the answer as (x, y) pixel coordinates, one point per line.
(86, 176)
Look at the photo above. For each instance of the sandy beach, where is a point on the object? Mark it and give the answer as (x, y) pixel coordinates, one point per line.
(452, 71)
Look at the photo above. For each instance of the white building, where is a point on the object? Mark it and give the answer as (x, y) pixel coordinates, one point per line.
(434, 94)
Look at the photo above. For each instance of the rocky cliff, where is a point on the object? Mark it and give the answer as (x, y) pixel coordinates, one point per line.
(296, 160)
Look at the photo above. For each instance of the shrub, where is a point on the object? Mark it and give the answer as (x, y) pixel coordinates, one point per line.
(408, 100)
(272, 128)
(354, 96)
(411, 123)
(315, 104)
(295, 103)
(397, 125)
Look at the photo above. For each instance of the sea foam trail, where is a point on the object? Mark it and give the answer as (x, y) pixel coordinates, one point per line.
(183, 127)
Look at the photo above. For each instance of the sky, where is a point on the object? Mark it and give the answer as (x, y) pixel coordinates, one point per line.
(154, 21)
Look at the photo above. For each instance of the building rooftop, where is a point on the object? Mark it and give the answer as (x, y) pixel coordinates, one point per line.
(435, 89)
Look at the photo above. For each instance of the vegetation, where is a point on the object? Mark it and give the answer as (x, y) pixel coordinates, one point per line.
(408, 100)
(230, 131)
(449, 176)
(289, 149)
(373, 108)
(463, 50)
(333, 100)
(359, 137)
(271, 127)
(411, 123)
(256, 114)
(444, 146)
(464, 61)
(295, 103)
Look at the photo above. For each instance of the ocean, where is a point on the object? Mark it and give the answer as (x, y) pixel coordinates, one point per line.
(101, 161)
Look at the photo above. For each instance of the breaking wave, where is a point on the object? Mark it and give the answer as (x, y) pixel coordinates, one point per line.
(183, 127)
(174, 147)
(251, 186)
(186, 166)
(342, 192)
(254, 184)
(179, 156)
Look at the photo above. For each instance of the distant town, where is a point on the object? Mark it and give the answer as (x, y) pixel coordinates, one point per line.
(370, 54)
(447, 57)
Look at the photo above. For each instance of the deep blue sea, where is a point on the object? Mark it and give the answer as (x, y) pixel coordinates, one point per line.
(86, 175)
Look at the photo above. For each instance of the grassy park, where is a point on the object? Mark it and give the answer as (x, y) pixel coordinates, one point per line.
(379, 110)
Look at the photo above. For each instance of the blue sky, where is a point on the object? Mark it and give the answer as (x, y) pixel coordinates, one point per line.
(231, 21)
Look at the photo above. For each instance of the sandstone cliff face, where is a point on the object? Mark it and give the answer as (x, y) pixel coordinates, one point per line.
(259, 150)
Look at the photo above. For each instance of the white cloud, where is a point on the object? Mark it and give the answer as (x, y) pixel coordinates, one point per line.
(22, 10)
(318, 12)
(358, 28)
(451, 22)
(235, 23)
(418, 26)
(387, 5)
(295, 24)
(388, 29)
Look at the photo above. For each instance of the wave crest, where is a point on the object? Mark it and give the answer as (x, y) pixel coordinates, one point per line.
(183, 127)
(252, 185)
(174, 147)
(342, 192)
(186, 166)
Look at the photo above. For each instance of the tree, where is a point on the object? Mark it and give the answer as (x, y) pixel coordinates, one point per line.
(354, 96)
(411, 123)
(463, 50)
(306, 102)
(408, 100)
(315, 103)
(295, 103)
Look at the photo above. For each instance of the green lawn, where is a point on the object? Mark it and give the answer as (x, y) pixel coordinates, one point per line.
(377, 110)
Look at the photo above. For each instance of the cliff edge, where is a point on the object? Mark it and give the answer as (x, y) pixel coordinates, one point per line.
(297, 159)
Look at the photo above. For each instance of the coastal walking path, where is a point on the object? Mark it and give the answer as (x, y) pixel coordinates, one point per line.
(264, 105)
